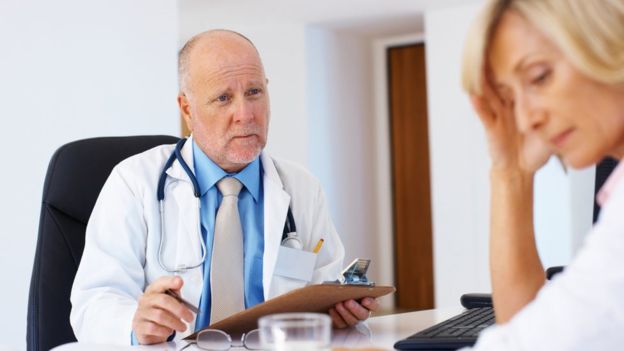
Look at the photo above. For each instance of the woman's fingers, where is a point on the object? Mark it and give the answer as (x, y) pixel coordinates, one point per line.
(535, 152)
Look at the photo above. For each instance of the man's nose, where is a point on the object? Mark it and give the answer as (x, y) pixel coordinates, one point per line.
(243, 111)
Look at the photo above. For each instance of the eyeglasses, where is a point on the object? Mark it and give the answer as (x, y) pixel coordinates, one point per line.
(217, 340)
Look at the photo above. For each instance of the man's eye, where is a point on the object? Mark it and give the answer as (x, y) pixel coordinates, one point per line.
(253, 91)
(222, 98)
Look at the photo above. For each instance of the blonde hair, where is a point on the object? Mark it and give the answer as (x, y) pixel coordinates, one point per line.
(590, 33)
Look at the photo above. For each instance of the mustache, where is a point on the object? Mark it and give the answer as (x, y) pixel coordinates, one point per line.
(243, 131)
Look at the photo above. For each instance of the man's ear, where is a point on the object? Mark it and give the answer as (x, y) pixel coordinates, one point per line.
(185, 110)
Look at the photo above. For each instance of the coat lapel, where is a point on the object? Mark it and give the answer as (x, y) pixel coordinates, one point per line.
(276, 202)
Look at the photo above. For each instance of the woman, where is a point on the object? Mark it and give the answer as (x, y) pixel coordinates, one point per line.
(546, 77)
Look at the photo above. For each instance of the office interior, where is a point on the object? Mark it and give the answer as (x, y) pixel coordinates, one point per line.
(78, 69)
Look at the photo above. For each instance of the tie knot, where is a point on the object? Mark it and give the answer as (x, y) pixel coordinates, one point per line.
(229, 186)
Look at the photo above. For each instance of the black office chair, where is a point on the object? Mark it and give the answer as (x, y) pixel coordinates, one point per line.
(76, 174)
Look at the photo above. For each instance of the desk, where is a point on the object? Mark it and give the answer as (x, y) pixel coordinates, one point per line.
(379, 332)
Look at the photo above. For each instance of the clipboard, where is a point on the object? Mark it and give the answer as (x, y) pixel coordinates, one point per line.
(312, 298)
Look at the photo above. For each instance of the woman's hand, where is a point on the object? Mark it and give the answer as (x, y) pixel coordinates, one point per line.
(510, 149)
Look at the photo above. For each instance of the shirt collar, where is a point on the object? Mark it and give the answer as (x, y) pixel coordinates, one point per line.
(209, 173)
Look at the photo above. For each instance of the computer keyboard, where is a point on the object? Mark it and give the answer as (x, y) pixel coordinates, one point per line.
(459, 331)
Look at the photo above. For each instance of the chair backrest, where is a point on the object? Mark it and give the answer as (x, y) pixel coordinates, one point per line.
(603, 171)
(76, 174)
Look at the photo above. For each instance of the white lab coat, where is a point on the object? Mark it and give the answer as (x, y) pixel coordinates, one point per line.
(120, 258)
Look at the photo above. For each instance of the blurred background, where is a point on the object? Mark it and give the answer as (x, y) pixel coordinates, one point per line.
(365, 94)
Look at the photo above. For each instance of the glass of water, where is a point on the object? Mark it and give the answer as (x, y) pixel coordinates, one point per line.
(295, 332)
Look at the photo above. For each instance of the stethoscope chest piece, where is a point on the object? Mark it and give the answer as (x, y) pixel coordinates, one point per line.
(289, 234)
(292, 241)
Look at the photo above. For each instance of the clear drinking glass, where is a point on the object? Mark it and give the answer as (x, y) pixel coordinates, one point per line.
(295, 331)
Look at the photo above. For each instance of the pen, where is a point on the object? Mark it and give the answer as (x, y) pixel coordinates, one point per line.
(318, 246)
(181, 300)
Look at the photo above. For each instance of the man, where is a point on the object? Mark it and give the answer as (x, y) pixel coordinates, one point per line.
(132, 260)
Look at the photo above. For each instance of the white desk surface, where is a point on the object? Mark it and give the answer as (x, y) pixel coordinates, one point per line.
(379, 332)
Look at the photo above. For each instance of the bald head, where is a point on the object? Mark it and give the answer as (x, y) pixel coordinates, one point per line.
(223, 97)
(212, 44)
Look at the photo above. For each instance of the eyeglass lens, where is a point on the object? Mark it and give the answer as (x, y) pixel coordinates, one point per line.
(213, 340)
(217, 340)
(252, 340)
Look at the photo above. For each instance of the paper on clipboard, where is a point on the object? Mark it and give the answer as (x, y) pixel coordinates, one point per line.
(313, 298)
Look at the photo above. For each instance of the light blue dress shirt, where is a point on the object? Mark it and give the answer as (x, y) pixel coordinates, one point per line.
(251, 210)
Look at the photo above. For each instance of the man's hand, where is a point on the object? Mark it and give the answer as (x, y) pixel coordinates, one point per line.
(349, 313)
(158, 314)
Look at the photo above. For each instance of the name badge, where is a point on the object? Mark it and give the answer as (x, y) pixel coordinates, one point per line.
(295, 264)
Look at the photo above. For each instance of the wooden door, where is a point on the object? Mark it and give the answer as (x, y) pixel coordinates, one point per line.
(413, 249)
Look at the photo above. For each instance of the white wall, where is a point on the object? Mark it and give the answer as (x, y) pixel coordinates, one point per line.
(71, 69)
(460, 175)
(459, 164)
(582, 205)
(340, 111)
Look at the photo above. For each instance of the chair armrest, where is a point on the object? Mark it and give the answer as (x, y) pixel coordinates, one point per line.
(476, 300)
(552, 271)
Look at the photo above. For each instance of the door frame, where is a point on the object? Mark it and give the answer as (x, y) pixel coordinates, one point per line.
(383, 175)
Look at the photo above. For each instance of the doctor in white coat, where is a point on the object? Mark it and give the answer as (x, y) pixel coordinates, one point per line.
(119, 289)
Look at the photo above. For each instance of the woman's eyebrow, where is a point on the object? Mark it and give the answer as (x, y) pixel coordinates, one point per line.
(520, 65)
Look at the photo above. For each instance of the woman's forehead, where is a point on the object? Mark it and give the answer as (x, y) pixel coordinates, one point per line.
(514, 40)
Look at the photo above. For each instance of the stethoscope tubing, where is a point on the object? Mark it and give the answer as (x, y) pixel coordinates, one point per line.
(160, 194)
(289, 234)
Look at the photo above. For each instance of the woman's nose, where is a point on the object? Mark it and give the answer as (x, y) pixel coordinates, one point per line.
(529, 115)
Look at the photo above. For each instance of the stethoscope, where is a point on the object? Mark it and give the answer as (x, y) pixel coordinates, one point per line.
(289, 234)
